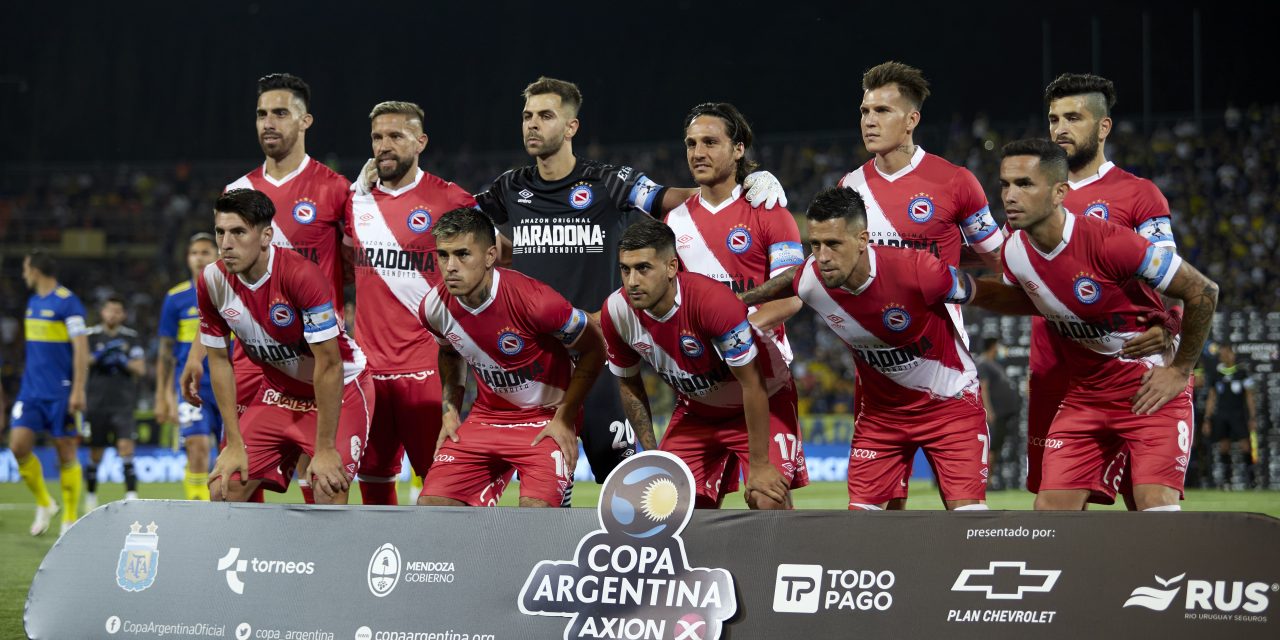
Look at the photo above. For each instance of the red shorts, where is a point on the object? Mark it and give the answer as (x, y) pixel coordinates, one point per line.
(711, 445)
(883, 448)
(407, 419)
(475, 469)
(1088, 433)
(1047, 391)
(278, 428)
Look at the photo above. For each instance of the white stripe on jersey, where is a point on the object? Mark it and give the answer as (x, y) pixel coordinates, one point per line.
(249, 331)
(920, 374)
(1110, 344)
(699, 258)
(528, 394)
(877, 223)
(408, 286)
(726, 394)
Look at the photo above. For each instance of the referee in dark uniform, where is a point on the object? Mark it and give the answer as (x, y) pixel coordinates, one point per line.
(561, 220)
(117, 362)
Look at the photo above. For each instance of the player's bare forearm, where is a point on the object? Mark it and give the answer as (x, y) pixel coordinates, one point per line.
(755, 407)
(590, 348)
(80, 363)
(452, 381)
(327, 385)
(197, 353)
(164, 368)
(138, 367)
(1199, 296)
(992, 294)
(773, 314)
(635, 406)
(776, 288)
(991, 260)
(223, 381)
(673, 197)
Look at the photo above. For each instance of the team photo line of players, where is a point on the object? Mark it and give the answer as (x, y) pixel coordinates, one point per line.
(660, 275)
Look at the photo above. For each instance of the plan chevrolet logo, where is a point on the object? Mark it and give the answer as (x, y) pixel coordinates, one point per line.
(999, 582)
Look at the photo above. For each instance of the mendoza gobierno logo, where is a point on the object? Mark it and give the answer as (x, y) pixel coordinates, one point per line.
(631, 578)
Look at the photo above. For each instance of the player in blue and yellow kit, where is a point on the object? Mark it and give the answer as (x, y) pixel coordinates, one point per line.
(201, 427)
(52, 396)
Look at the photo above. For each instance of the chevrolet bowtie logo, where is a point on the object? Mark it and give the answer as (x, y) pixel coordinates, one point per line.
(998, 580)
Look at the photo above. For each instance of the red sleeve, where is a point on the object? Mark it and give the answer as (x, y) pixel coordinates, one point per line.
(936, 279)
(1148, 203)
(459, 198)
(1121, 252)
(548, 311)
(623, 360)
(308, 291)
(719, 310)
(1009, 278)
(347, 211)
(212, 323)
(970, 198)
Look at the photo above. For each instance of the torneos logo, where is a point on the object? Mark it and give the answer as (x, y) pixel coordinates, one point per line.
(384, 570)
(234, 566)
(1204, 595)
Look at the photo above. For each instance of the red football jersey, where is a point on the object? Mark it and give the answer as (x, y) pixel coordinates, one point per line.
(276, 319)
(1119, 197)
(737, 244)
(1091, 289)
(910, 357)
(929, 204)
(310, 203)
(692, 346)
(395, 266)
(517, 344)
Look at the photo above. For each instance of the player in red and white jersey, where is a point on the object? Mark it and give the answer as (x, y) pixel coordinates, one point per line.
(721, 235)
(695, 334)
(1079, 108)
(1095, 283)
(916, 199)
(315, 397)
(395, 267)
(913, 198)
(515, 333)
(889, 306)
(309, 199)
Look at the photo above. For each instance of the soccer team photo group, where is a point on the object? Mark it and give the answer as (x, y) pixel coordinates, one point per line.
(1029, 321)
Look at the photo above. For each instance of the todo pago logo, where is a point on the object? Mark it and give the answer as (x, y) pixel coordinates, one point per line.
(631, 578)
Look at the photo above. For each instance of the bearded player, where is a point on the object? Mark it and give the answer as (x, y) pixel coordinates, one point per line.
(735, 396)
(309, 200)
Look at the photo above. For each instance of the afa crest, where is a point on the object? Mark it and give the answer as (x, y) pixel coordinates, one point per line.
(139, 559)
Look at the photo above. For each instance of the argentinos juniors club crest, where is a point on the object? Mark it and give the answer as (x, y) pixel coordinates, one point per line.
(631, 577)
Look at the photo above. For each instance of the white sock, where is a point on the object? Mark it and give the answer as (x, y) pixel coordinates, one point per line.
(972, 507)
(1167, 507)
(858, 506)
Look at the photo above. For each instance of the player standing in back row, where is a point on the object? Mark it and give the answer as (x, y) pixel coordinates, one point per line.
(395, 265)
(565, 216)
(116, 365)
(310, 200)
(1079, 108)
(916, 199)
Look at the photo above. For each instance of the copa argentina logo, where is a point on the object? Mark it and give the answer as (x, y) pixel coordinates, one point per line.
(139, 559)
(631, 578)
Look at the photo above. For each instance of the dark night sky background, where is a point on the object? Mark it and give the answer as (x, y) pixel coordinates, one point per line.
(109, 82)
